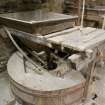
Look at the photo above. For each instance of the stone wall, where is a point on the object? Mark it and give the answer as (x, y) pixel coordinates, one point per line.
(56, 5)
(20, 5)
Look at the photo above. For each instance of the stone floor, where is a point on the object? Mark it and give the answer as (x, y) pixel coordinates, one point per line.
(5, 95)
(99, 88)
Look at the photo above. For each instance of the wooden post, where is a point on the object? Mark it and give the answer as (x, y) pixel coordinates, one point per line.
(79, 12)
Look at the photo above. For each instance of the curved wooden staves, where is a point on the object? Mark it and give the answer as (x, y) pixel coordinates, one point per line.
(44, 89)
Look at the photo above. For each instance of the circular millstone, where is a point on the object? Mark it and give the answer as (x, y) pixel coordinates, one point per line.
(45, 88)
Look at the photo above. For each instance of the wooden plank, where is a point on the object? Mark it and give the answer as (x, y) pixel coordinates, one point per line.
(76, 33)
(61, 33)
(85, 41)
(96, 41)
(79, 39)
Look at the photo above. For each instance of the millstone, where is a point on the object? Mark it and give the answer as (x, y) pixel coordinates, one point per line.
(43, 89)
